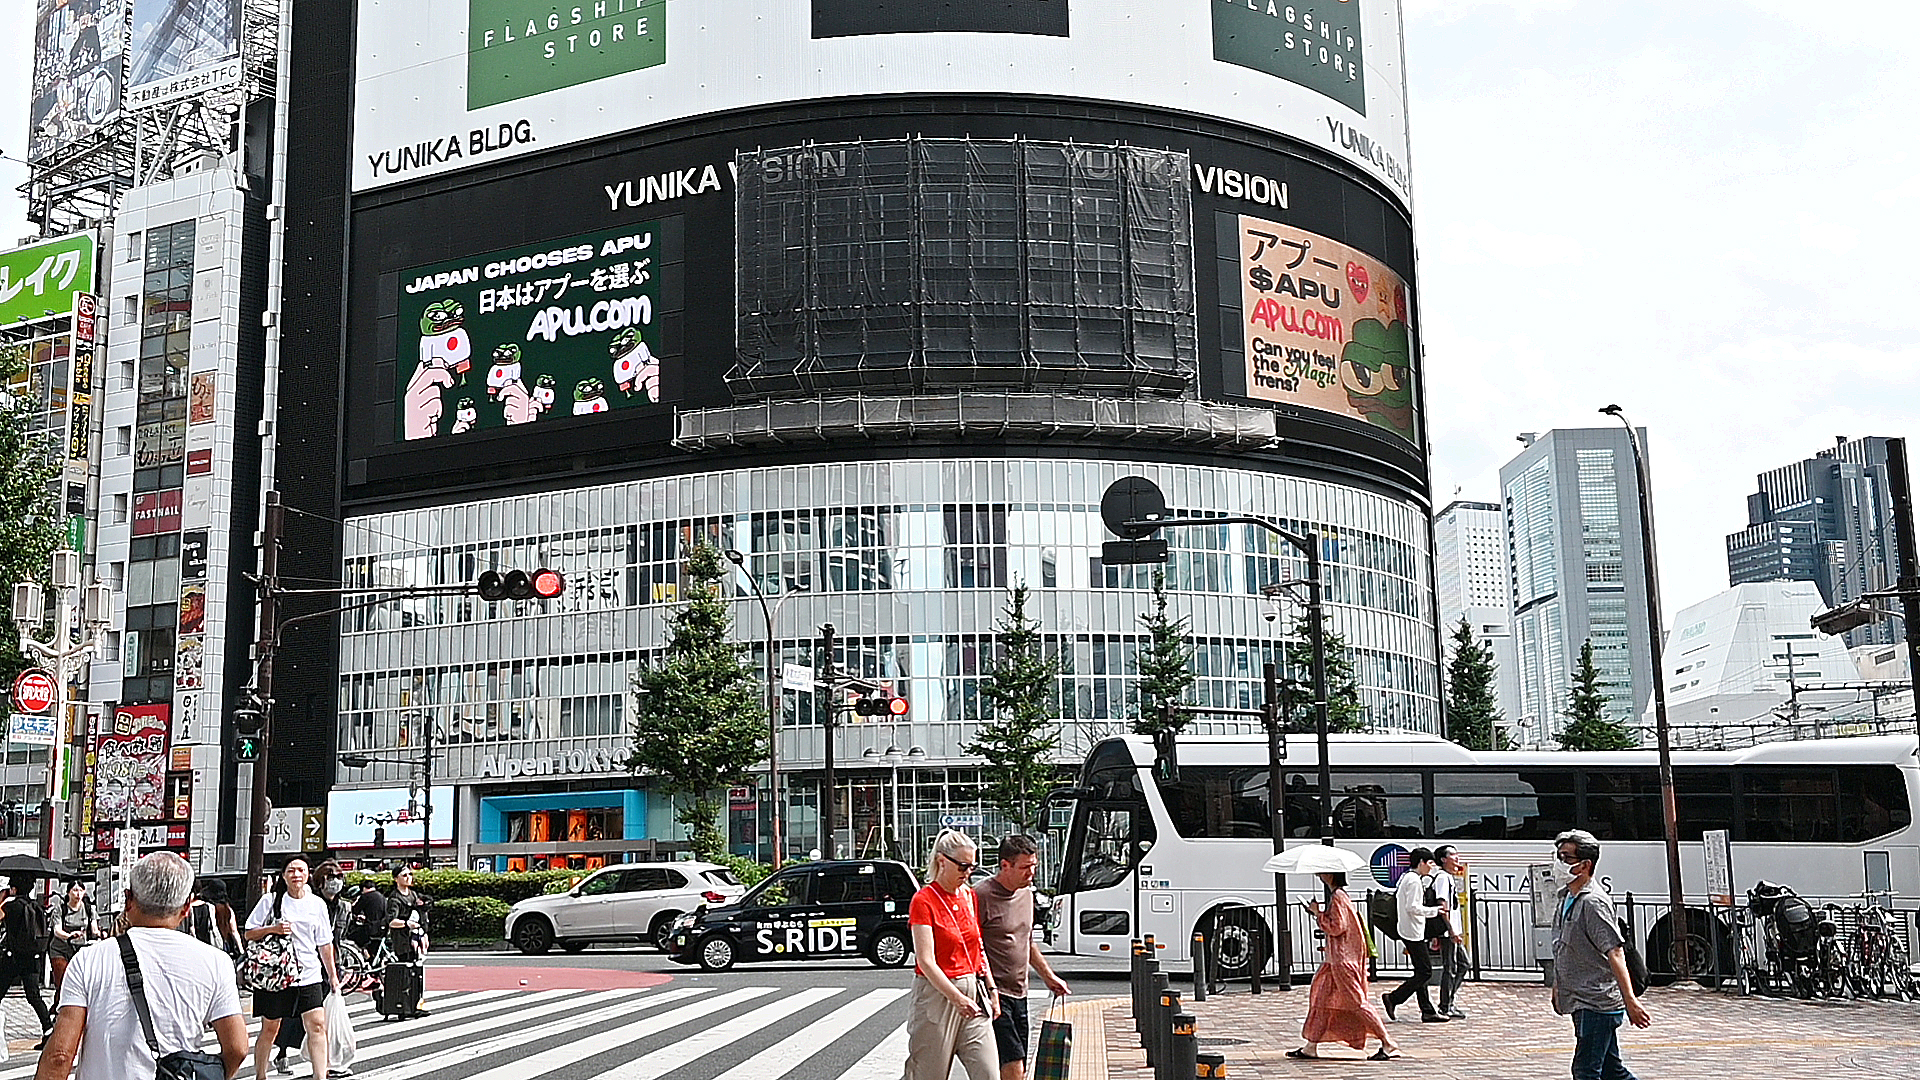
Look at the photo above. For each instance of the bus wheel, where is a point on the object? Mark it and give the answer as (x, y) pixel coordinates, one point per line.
(1237, 939)
(1705, 964)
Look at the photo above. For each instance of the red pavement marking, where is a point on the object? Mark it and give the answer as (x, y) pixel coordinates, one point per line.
(489, 977)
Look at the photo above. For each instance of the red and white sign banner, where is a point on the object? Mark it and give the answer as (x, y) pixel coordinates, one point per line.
(34, 690)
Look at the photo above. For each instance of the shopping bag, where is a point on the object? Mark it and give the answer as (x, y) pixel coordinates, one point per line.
(340, 1041)
(1055, 1050)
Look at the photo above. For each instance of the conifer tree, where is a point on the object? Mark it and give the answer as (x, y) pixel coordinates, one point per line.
(1473, 712)
(1345, 715)
(1588, 727)
(1166, 665)
(1019, 737)
(699, 724)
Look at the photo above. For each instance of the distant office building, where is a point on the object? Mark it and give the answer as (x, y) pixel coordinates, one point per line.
(1574, 567)
(1747, 658)
(1470, 577)
(1827, 519)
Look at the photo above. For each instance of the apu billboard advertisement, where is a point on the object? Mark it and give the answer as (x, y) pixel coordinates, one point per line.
(458, 83)
(530, 334)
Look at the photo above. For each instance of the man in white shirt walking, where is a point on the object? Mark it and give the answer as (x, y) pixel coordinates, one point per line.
(1417, 925)
(189, 988)
(1453, 947)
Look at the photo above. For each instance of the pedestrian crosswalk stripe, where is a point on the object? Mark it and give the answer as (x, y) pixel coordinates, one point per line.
(791, 1052)
(376, 1037)
(664, 1061)
(482, 1039)
(884, 1061)
(599, 1042)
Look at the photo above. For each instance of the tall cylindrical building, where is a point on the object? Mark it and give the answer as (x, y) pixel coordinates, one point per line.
(881, 297)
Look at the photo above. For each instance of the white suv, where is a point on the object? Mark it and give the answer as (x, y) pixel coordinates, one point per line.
(626, 902)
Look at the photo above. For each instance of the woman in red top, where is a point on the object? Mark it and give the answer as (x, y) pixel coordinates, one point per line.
(953, 1011)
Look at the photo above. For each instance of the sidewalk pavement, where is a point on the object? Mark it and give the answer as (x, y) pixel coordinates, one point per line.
(1512, 1033)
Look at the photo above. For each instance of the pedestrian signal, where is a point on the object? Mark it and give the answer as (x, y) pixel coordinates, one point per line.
(247, 747)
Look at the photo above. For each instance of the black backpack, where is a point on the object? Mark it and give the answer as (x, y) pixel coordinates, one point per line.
(1383, 914)
(1637, 973)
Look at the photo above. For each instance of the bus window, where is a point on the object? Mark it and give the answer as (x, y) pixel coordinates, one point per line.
(1105, 855)
(1791, 804)
(1533, 805)
(1214, 801)
(1873, 802)
(1624, 804)
(1379, 805)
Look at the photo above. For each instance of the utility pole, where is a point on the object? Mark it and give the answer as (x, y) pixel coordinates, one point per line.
(1680, 930)
(426, 797)
(828, 681)
(1899, 485)
(273, 522)
(1277, 815)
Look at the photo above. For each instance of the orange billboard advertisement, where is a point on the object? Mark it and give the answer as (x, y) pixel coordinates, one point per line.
(1325, 327)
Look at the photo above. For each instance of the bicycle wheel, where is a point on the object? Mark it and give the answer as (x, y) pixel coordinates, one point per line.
(351, 961)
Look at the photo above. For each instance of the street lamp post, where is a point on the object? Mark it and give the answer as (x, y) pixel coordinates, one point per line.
(772, 616)
(63, 655)
(1656, 647)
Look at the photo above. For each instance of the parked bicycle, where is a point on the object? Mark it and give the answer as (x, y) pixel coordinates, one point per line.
(1802, 955)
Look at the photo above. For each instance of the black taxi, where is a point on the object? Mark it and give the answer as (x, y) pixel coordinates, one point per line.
(831, 910)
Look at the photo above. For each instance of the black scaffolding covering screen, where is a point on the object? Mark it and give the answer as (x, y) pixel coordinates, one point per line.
(915, 265)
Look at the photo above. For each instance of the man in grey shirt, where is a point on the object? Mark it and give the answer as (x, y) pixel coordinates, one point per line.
(1006, 930)
(1590, 978)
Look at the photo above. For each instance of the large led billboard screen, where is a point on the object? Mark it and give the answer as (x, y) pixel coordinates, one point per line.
(547, 320)
(459, 83)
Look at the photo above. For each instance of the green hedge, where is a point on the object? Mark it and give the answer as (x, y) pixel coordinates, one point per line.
(444, 885)
(480, 917)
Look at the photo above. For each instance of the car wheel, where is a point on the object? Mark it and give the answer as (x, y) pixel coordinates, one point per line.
(533, 935)
(716, 953)
(571, 947)
(659, 933)
(889, 949)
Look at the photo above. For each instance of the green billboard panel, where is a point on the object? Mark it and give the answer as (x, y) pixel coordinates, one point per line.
(39, 280)
(1316, 45)
(530, 335)
(516, 48)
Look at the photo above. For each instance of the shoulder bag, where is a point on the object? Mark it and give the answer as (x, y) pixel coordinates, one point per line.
(181, 1064)
(268, 963)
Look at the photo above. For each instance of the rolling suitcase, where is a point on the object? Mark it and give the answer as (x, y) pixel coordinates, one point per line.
(399, 994)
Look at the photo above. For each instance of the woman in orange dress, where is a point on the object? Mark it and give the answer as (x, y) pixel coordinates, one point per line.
(1339, 1009)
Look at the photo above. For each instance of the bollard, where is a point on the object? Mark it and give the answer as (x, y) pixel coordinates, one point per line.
(1163, 1032)
(1186, 1047)
(1211, 1066)
(1199, 966)
(1150, 1038)
(1139, 975)
(1257, 961)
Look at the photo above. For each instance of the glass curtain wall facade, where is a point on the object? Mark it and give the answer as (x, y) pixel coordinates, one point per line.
(911, 560)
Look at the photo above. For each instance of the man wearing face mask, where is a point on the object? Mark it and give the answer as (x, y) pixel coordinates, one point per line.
(1591, 982)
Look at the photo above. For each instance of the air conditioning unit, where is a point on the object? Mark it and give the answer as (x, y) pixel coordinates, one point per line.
(197, 163)
(230, 859)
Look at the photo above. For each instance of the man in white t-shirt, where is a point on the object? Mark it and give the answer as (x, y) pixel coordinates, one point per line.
(189, 988)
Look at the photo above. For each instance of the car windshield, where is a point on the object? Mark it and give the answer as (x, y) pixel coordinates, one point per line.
(720, 877)
(781, 890)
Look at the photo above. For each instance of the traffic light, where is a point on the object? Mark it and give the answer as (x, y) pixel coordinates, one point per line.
(542, 584)
(248, 720)
(1849, 616)
(881, 705)
(379, 836)
(247, 747)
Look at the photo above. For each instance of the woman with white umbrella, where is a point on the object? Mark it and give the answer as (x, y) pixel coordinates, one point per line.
(1339, 1007)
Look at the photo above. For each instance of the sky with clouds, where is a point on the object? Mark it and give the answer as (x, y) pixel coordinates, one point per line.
(1694, 210)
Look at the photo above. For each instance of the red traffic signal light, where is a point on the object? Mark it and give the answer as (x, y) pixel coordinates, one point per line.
(542, 584)
(880, 705)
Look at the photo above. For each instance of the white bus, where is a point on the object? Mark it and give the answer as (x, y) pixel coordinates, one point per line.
(1831, 818)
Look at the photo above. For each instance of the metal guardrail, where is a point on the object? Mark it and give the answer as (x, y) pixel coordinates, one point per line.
(1501, 939)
